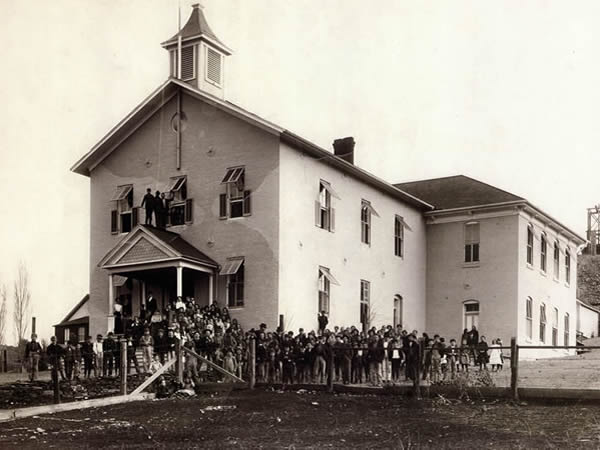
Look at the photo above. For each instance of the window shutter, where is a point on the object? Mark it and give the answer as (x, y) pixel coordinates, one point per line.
(247, 209)
(187, 63)
(213, 66)
(189, 211)
(134, 216)
(332, 219)
(223, 206)
(114, 223)
(317, 213)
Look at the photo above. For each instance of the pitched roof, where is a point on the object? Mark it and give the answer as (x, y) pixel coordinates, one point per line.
(457, 192)
(197, 27)
(76, 308)
(180, 245)
(155, 101)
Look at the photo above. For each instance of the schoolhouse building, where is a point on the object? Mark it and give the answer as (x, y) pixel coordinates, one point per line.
(278, 229)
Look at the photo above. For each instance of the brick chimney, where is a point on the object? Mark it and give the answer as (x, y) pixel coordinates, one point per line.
(344, 148)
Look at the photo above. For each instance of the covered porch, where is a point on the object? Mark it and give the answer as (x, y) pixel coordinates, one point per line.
(154, 263)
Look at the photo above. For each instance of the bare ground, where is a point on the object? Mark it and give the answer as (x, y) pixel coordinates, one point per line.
(271, 419)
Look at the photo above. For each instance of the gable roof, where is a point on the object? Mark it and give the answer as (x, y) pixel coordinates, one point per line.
(146, 244)
(165, 92)
(457, 191)
(197, 28)
(76, 308)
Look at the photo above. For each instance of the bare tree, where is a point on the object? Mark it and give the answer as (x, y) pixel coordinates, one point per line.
(22, 302)
(3, 313)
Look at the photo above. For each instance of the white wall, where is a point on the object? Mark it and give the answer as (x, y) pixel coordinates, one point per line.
(587, 321)
(304, 247)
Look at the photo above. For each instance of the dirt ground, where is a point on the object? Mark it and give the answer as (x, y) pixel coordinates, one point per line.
(272, 419)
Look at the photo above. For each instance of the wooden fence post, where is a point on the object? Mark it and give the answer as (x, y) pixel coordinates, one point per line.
(417, 374)
(514, 369)
(252, 362)
(56, 381)
(179, 354)
(5, 361)
(330, 371)
(123, 369)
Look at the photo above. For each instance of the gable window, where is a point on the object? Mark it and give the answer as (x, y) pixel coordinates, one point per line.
(365, 300)
(325, 281)
(555, 327)
(366, 213)
(214, 66)
(542, 323)
(324, 213)
(472, 242)
(471, 314)
(543, 253)
(399, 236)
(568, 267)
(556, 260)
(178, 205)
(529, 317)
(124, 217)
(233, 269)
(566, 330)
(530, 244)
(235, 202)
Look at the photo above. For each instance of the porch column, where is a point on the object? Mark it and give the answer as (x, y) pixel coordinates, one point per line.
(211, 288)
(111, 302)
(179, 281)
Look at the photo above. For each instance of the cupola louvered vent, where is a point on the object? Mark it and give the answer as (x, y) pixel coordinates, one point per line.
(213, 66)
(187, 63)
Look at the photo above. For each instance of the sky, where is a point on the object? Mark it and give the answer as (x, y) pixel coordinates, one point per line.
(505, 92)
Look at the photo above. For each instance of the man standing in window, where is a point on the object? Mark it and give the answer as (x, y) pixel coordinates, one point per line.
(148, 202)
(323, 321)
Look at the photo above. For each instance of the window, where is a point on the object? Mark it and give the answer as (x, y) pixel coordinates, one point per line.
(542, 323)
(398, 313)
(471, 314)
(399, 236)
(236, 201)
(180, 207)
(566, 331)
(125, 216)
(555, 327)
(188, 63)
(365, 300)
(556, 260)
(472, 242)
(530, 244)
(324, 289)
(233, 269)
(213, 66)
(543, 253)
(529, 317)
(324, 213)
(568, 267)
(366, 211)
(81, 334)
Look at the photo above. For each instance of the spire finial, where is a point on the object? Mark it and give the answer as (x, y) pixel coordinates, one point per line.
(197, 5)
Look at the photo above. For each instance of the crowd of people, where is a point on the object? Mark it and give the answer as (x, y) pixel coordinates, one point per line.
(377, 356)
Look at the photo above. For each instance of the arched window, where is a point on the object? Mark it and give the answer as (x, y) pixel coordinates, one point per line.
(398, 310)
(471, 314)
(530, 244)
(529, 317)
(543, 252)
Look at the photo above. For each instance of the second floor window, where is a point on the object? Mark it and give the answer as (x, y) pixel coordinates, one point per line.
(399, 236)
(530, 244)
(366, 213)
(543, 253)
(472, 242)
(178, 205)
(568, 267)
(556, 260)
(324, 213)
(124, 217)
(236, 201)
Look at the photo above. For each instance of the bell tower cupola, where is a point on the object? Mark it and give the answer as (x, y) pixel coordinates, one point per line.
(202, 59)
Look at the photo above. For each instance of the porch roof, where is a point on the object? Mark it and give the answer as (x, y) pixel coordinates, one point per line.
(147, 244)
